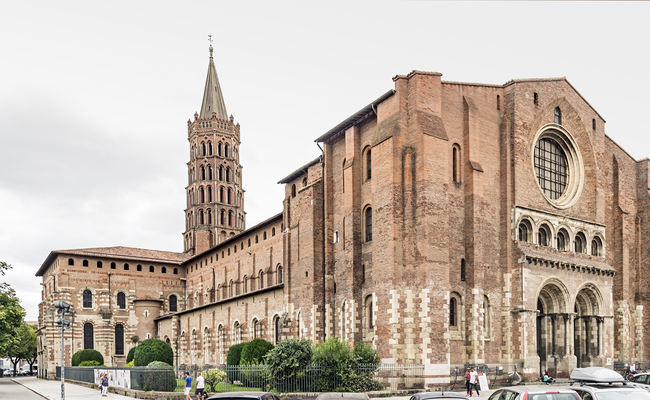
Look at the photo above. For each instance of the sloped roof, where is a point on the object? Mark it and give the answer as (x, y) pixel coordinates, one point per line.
(212, 97)
(121, 252)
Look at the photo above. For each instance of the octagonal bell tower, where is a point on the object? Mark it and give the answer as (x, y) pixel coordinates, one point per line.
(215, 198)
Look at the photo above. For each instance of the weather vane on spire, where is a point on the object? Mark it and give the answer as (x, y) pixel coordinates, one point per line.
(210, 40)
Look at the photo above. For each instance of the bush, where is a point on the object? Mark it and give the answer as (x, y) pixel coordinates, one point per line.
(129, 357)
(338, 363)
(87, 355)
(213, 377)
(254, 351)
(91, 363)
(233, 358)
(129, 364)
(158, 376)
(254, 375)
(150, 350)
(287, 363)
(366, 354)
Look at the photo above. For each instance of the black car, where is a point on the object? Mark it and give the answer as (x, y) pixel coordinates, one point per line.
(244, 396)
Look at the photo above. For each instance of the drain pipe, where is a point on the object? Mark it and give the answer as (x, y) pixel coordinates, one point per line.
(322, 169)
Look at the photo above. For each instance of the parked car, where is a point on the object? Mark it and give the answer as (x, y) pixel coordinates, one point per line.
(641, 381)
(534, 393)
(342, 396)
(437, 395)
(598, 383)
(244, 396)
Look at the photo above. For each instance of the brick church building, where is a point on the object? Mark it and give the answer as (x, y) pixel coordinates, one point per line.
(445, 223)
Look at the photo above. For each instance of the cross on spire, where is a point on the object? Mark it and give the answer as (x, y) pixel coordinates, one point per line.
(210, 40)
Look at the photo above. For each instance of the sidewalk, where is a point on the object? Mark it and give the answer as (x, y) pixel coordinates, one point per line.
(52, 389)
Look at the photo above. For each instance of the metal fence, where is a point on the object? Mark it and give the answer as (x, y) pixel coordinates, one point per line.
(229, 378)
(495, 373)
(639, 366)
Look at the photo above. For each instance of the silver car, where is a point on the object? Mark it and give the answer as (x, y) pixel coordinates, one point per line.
(610, 392)
(534, 393)
(641, 381)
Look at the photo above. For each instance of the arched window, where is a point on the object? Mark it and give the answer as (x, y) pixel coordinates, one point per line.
(88, 336)
(229, 196)
(453, 312)
(369, 313)
(487, 328)
(596, 247)
(558, 116)
(119, 339)
(201, 195)
(257, 239)
(276, 329)
(99, 264)
(201, 220)
(245, 284)
(151, 268)
(455, 163)
(85, 263)
(70, 261)
(220, 173)
(463, 270)
(219, 149)
(126, 266)
(210, 148)
(279, 274)
(272, 231)
(226, 151)
(87, 299)
(121, 300)
(223, 217)
(210, 172)
(293, 190)
(175, 271)
(229, 218)
(261, 279)
(202, 172)
(368, 164)
(264, 235)
(543, 235)
(139, 268)
(238, 333)
(562, 239)
(203, 152)
(209, 194)
(113, 265)
(209, 216)
(227, 174)
(580, 243)
(368, 224)
(524, 231)
(163, 270)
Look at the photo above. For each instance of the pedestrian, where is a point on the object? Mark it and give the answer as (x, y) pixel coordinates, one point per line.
(200, 384)
(473, 380)
(188, 385)
(104, 383)
(467, 384)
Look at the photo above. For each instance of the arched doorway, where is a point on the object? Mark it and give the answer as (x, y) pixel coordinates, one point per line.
(552, 326)
(588, 327)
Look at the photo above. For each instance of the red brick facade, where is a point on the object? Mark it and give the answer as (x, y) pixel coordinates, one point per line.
(446, 223)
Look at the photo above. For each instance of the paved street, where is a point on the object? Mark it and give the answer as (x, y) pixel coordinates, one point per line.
(51, 390)
(14, 391)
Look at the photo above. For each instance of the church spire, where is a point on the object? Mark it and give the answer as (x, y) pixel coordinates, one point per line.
(212, 97)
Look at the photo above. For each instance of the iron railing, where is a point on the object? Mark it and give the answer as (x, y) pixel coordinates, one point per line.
(229, 378)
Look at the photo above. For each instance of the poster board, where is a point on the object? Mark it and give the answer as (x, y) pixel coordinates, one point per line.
(483, 382)
(116, 378)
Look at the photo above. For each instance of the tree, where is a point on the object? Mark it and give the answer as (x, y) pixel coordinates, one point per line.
(11, 313)
(152, 350)
(24, 347)
(87, 355)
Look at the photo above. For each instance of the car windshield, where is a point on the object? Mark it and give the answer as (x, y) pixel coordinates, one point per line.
(553, 396)
(623, 394)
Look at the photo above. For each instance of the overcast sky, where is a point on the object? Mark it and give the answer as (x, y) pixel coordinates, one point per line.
(94, 97)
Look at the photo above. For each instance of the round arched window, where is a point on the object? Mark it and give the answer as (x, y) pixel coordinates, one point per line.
(558, 166)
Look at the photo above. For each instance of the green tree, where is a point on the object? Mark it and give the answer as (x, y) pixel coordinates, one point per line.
(87, 355)
(287, 363)
(24, 347)
(254, 351)
(150, 350)
(11, 313)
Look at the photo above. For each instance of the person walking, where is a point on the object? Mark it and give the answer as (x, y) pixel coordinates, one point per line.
(473, 380)
(104, 383)
(188, 385)
(200, 385)
(467, 384)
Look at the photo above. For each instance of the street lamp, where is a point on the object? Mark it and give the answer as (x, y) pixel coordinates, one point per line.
(62, 308)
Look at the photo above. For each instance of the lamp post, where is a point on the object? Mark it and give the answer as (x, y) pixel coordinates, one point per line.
(62, 308)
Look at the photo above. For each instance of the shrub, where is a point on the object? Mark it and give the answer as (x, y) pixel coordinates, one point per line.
(213, 377)
(337, 361)
(366, 354)
(152, 350)
(254, 374)
(254, 351)
(158, 376)
(129, 364)
(87, 355)
(233, 358)
(91, 363)
(287, 363)
(129, 357)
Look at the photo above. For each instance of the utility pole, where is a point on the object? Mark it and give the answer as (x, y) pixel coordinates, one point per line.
(62, 309)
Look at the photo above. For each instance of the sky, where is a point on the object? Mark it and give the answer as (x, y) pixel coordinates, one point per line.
(95, 97)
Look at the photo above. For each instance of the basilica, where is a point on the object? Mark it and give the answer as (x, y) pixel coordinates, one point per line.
(445, 224)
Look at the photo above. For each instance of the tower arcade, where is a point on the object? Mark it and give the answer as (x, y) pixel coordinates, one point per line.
(215, 198)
